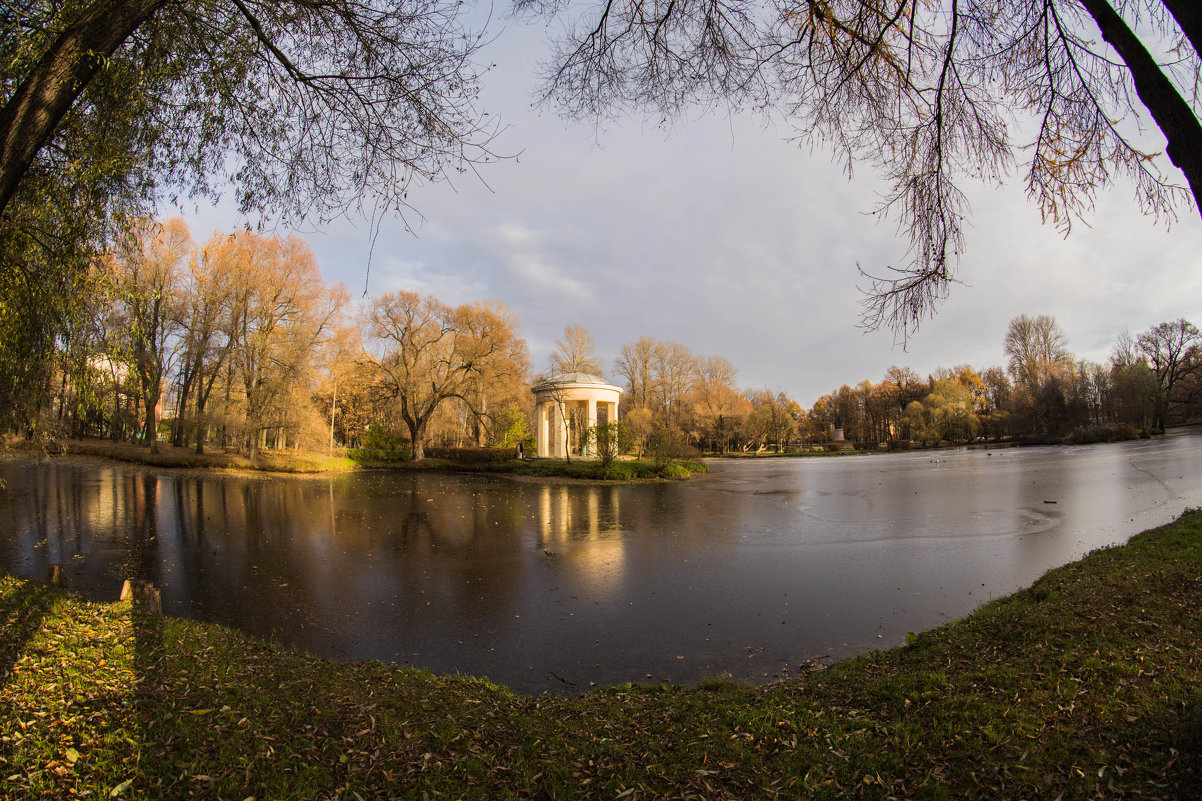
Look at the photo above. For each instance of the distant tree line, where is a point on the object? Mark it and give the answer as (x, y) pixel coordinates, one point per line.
(1043, 393)
(239, 344)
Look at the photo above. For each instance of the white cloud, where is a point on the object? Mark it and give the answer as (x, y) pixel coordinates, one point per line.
(391, 274)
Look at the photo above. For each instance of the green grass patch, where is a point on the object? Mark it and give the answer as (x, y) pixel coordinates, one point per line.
(1084, 686)
(623, 470)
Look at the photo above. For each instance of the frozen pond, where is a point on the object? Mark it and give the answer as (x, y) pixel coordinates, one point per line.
(750, 571)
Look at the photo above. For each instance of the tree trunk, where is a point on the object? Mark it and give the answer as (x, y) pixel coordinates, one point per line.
(150, 431)
(1188, 14)
(201, 429)
(417, 437)
(229, 380)
(178, 432)
(1170, 111)
(204, 387)
(37, 108)
(202, 400)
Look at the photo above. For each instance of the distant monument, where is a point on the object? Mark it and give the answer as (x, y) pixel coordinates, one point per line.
(838, 437)
(566, 406)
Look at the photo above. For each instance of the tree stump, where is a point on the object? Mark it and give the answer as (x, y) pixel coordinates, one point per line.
(56, 576)
(142, 593)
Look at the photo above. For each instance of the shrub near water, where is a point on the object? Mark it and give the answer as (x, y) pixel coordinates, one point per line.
(473, 455)
(1103, 433)
(618, 471)
(676, 470)
(381, 445)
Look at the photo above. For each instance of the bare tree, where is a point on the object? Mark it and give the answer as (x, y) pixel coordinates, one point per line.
(634, 364)
(426, 352)
(575, 353)
(930, 94)
(1034, 346)
(673, 372)
(1172, 349)
(1125, 351)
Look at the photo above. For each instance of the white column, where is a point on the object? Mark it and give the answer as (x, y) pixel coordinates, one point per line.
(542, 430)
(561, 431)
(592, 420)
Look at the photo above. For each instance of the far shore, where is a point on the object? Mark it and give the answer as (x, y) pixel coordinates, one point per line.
(300, 463)
(313, 463)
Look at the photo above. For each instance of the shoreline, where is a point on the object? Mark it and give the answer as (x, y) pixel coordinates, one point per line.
(300, 465)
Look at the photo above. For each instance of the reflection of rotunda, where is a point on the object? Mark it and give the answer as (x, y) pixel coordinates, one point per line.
(566, 407)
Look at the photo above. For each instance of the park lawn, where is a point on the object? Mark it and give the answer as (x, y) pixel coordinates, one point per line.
(1086, 685)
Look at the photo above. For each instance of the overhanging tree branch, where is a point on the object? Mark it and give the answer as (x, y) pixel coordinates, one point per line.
(36, 109)
(1172, 114)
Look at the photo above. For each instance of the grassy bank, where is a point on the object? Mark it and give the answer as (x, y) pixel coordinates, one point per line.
(186, 458)
(1087, 685)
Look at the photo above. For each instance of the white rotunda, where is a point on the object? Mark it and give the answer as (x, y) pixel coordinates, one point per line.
(566, 406)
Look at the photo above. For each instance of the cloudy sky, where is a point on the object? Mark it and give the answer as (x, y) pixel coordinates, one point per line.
(721, 235)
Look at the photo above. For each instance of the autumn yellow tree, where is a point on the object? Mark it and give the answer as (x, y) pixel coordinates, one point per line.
(204, 309)
(774, 420)
(425, 352)
(280, 310)
(718, 407)
(501, 381)
(947, 413)
(150, 262)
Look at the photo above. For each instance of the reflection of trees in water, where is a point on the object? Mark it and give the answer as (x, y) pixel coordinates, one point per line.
(139, 515)
(102, 524)
(438, 544)
(46, 510)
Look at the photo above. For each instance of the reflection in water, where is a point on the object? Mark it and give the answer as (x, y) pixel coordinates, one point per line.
(749, 571)
(587, 519)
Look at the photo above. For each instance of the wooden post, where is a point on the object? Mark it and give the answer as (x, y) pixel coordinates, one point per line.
(56, 576)
(142, 592)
